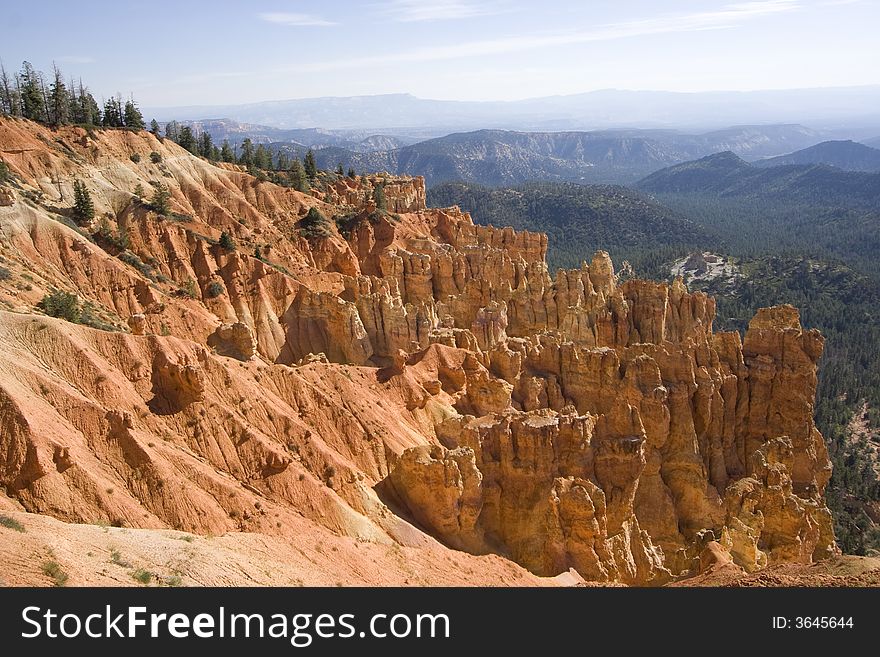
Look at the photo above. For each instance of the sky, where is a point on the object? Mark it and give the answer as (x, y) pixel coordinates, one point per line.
(226, 52)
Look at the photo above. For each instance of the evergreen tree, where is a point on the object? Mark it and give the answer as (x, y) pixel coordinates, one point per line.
(172, 131)
(297, 176)
(283, 161)
(339, 170)
(59, 99)
(262, 158)
(72, 102)
(19, 101)
(154, 127)
(247, 153)
(113, 113)
(226, 242)
(9, 103)
(83, 208)
(206, 146)
(44, 92)
(188, 140)
(159, 201)
(309, 165)
(33, 105)
(226, 153)
(132, 116)
(315, 224)
(108, 113)
(351, 173)
(215, 154)
(379, 197)
(87, 110)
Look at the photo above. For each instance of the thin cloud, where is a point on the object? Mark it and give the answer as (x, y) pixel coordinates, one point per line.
(724, 18)
(75, 59)
(294, 20)
(417, 11)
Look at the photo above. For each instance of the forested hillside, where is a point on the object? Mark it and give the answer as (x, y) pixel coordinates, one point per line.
(727, 176)
(844, 154)
(581, 219)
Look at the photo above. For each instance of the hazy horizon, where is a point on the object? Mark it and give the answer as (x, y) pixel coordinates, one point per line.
(845, 111)
(227, 53)
(524, 98)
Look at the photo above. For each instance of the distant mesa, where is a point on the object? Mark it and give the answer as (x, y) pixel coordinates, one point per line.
(847, 155)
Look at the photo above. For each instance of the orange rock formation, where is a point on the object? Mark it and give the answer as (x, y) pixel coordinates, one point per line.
(409, 377)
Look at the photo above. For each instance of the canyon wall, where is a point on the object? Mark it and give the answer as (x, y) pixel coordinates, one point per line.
(401, 375)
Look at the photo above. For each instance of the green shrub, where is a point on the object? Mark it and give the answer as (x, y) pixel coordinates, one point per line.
(4, 172)
(315, 225)
(11, 523)
(67, 306)
(226, 242)
(134, 157)
(214, 289)
(190, 289)
(346, 224)
(143, 576)
(155, 158)
(53, 569)
(5, 274)
(130, 258)
(116, 559)
(63, 305)
(106, 236)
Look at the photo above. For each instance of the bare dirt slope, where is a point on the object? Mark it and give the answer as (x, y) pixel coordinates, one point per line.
(102, 555)
(844, 570)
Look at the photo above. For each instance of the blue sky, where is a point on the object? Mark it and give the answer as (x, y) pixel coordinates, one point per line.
(181, 53)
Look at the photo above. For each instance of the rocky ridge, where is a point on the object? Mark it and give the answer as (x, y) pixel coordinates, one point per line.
(401, 377)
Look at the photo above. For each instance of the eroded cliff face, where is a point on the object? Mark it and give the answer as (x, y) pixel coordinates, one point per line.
(403, 377)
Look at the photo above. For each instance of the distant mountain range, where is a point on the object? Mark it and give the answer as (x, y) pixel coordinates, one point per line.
(397, 114)
(727, 175)
(502, 157)
(357, 141)
(846, 155)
